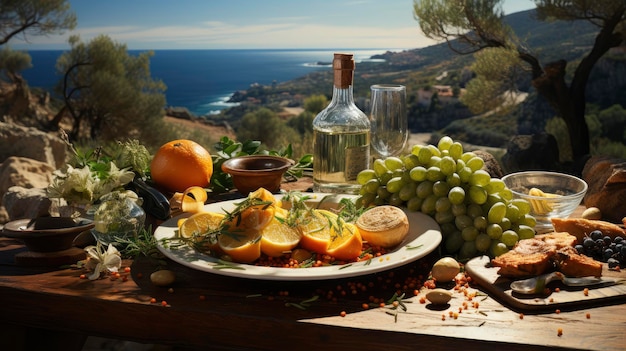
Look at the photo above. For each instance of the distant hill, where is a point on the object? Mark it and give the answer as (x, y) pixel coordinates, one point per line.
(423, 68)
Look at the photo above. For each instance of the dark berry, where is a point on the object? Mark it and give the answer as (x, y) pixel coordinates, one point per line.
(580, 249)
(607, 240)
(608, 253)
(588, 242)
(618, 240)
(596, 234)
(612, 262)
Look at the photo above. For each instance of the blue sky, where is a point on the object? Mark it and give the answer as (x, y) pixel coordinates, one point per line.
(248, 24)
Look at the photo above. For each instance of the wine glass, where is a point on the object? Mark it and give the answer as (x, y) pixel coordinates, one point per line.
(388, 120)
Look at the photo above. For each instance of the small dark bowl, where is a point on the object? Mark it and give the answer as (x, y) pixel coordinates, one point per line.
(47, 234)
(257, 171)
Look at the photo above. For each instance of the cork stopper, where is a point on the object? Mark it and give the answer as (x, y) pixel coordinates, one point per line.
(343, 65)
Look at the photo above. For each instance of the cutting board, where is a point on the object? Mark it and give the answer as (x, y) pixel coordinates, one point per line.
(568, 298)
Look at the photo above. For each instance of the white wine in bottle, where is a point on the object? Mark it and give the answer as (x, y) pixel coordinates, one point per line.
(341, 135)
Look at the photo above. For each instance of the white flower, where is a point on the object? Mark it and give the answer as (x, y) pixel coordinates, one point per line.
(100, 260)
(84, 185)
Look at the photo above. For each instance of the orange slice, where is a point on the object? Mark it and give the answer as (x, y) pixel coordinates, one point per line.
(200, 224)
(256, 211)
(257, 217)
(243, 245)
(315, 230)
(204, 227)
(265, 195)
(347, 244)
(278, 237)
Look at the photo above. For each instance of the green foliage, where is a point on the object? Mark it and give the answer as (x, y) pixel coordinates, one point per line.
(613, 121)
(315, 103)
(303, 123)
(556, 126)
(265, 125)
(110, 94)
(34, 17)
(12, 62)
(475, 26)
(130, 154)
(610, 148)
(495, 80)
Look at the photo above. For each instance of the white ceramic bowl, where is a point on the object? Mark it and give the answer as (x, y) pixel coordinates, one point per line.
(569, 191)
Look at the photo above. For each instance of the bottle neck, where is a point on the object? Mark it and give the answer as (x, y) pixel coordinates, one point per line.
(343, 96)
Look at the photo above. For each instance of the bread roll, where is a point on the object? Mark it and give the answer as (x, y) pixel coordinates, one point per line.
(385, 226)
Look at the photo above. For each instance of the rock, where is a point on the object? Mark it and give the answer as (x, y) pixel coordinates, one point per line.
(31, 143)
(179, 112)
(491, 164)
(22, 188)
(24, 172)
(21, 202)
(606, 178)
(531, 152)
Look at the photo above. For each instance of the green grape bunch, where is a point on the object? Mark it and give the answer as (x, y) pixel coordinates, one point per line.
(477, 213)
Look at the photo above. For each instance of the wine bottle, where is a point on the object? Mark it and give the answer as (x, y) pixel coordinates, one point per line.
(341, 135)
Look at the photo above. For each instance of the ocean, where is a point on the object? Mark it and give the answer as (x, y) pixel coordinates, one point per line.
(203, 80)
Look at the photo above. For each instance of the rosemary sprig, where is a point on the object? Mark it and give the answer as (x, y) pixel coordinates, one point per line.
(240, 207)
(395, 304)
(144, 244)
(303, 305)
(227, 265)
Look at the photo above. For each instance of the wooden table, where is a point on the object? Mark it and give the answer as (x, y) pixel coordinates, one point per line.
(53, 308)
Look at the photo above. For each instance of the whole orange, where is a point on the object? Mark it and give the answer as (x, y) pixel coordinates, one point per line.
(180, 164)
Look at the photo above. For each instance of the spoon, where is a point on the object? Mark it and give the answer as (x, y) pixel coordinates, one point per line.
(537, 284)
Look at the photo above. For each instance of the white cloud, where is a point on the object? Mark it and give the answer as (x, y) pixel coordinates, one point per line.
(222, 35)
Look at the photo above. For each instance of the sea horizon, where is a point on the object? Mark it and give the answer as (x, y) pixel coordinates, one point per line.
(203, 80)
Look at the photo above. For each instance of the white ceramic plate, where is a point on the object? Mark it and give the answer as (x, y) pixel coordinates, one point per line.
(424, 237)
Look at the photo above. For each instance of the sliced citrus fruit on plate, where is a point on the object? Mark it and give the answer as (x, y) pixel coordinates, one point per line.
(200, 224)
(204, 227)
(243, 245)
(256, 217)
(265, 195)
(278, 237)
(315, 228)
(345, 242)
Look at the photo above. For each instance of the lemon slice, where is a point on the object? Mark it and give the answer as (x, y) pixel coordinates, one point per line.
(243, 245)
(278, 237)
(200, 224)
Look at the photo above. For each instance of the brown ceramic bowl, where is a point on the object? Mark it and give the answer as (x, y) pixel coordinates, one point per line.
(47, 234)
(252, 172)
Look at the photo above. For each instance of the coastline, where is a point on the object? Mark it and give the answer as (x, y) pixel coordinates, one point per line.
(204, 81)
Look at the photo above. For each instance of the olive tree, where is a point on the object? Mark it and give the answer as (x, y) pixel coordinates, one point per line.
(12, 62)
(472, 26)
(108, 93)
(266, 126)
(34, 17)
